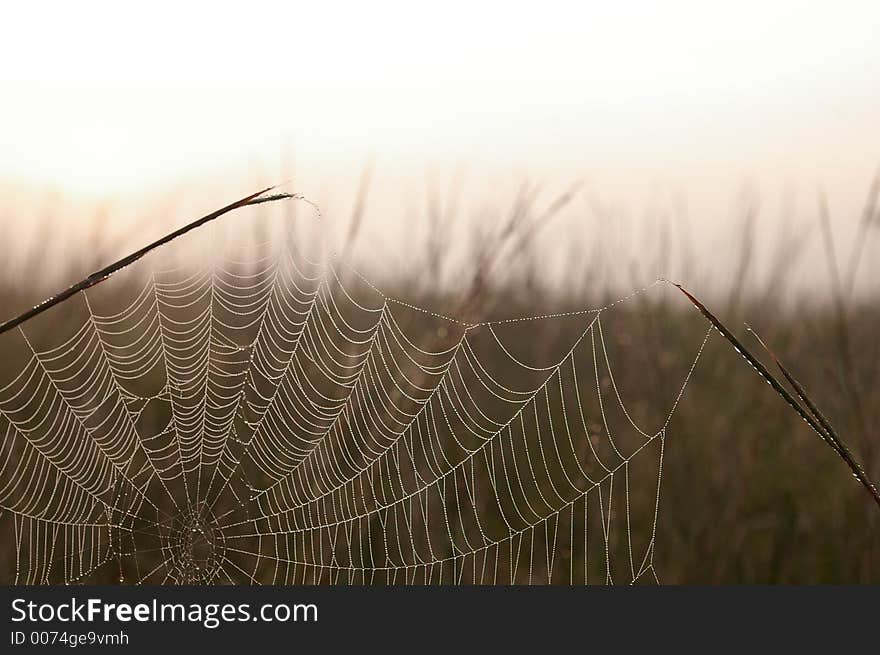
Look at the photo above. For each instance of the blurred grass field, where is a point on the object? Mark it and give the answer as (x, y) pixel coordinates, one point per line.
(749, 493)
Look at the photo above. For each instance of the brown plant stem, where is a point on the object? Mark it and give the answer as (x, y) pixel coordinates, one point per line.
(99, 276)
(812, 416)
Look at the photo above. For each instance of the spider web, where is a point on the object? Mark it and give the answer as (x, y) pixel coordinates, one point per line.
(268, 416)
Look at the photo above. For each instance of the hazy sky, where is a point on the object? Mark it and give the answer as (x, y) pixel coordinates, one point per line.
(687, 98)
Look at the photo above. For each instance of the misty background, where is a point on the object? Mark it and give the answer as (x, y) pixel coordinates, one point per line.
(734, 149)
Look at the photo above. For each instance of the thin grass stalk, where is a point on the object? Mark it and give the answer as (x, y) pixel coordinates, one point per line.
(99, 276)
(812, 416)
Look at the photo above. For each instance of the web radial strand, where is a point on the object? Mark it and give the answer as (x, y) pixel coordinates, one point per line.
(248, 411)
